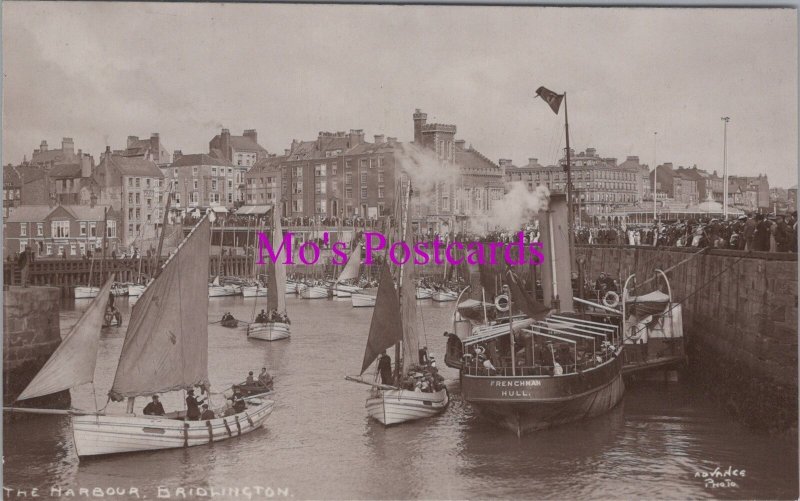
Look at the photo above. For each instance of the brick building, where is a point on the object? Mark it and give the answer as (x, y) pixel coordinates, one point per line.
(676, 184)
(150, 149)
(132, 186)
(749, 193)
(239, 150)
(51, 231)
(201, 180)
(47, 158)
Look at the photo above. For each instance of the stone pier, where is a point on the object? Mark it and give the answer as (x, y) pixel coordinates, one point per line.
(31, 334)
(740, 321)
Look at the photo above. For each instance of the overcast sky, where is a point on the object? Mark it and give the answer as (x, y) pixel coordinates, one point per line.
(100, 72)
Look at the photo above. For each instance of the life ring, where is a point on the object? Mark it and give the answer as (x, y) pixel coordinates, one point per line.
(611, 299)
(501, 302)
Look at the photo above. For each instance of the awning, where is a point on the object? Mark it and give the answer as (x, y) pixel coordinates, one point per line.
(219, 209)
(488, 332)
(257, 210)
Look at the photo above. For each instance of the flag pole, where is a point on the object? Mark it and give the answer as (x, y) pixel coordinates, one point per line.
(571, 223)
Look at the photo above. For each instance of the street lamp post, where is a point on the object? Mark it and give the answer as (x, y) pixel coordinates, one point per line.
(725, 168)
(655, 176)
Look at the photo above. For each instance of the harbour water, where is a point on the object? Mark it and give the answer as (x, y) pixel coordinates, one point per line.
(319, 443)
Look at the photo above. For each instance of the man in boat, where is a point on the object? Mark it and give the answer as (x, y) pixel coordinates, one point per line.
(264, 379)
(192, 406)
(385, 369)
(154, 408)
(261, 318)
(207, 413)
(250, 381)
(238, 403)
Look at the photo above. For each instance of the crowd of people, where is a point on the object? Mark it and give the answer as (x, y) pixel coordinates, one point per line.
(423, 377)
(752, 232)
(273, 316)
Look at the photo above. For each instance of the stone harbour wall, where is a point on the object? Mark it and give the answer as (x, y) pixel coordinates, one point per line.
(740, 321)
(31, 334)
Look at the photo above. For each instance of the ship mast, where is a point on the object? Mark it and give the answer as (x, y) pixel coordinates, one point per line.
(568, 168)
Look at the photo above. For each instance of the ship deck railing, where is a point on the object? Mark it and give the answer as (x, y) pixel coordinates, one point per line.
(506, 370)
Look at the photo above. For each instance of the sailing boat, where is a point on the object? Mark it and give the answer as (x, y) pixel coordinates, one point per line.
(273, 327)
(165, 349)
(87, 292)
(349, 273)
(396, 322)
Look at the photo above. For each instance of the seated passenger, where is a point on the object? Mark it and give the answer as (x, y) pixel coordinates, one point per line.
(250, 381)
(264, 378)
(207, 413)
(154, 408)
(261, 318)
(239, 404)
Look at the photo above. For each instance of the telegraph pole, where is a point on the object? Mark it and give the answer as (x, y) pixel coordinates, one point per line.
(725, 168)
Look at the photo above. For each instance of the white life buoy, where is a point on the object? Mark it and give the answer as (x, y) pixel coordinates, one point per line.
(501, 302)
(611, 299)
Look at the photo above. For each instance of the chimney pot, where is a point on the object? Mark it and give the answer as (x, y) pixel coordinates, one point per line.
(379, 139)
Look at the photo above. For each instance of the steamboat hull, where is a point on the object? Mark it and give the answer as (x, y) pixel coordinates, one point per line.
(398, 406)
(524, 404)
(97, 435)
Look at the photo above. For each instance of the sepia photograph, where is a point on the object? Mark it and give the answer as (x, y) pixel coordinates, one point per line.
(398, 252)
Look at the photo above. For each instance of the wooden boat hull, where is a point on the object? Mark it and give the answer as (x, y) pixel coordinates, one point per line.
(221, 290)
(398, 406)
(271, 331)
(361, 300)
(82, 292)
(97, 435)
(314, 292)
(254, 291)
(232, 323)
(528, 403)
(291, 287)
(344, 290)
(423, 293)
(135, 290)
(444, 296)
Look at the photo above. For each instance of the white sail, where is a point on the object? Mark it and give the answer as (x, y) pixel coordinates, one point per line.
(166, 346)
(351, 268)
(276, 298)
(74, 360)
(412, 322)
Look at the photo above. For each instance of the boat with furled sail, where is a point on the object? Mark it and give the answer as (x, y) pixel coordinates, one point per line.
(273, 325)
(165, 349)
(416, 390)
(343, 286)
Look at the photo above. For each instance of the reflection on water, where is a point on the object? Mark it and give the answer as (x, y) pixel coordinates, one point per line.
(319, 443)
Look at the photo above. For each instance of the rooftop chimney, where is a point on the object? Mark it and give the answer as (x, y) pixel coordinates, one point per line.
(633, 159)
(252, 134)
(225, 144)
(461, 144)
(591, 152)
(86, 164)
(379, 139)
(420, 119)
(286, 152)
(533, 161)
(392, 141)
(43, 145)
(176, 155)
(67, 145)
(355, 137)
(132, 140)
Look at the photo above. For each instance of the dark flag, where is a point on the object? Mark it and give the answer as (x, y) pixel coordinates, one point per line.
(523, 301)
(551, 98)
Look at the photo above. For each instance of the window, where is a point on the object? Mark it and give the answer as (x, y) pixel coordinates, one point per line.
(138, 182)
(348, 192)
(23, 229)
(363, 163)
(445, 203)
(363, 192)
(130, 229)
(138, 199)
(175, 172)
(150, 203)
(214, 185)
(230, 171)
(348, 178)
(348, 164)
(297, 205)
(380, 176)
(333, 169)
(194, 172)
(39, 229)
(320, 187)
(213, 171)
(297, 188)
(130, 183)
(230, 198)
(380, 191)
(60, 229)
(320, 170)
(93, 229)
(73, 250)
(49, 249)
(195, 184)
(230, 184)
(130, 198)
(320, 206)
(138, 213)
(380, 162)
(195, 197)
(147, 182)
(298, 172)
(111, 228)
(83, 228)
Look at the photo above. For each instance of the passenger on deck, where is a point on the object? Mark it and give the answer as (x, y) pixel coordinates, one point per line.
(385, 368)
(207, 413)
(605, 283)
(557, 369)
(264, 378)
(154, 408)
(250, 381)
(192, 406)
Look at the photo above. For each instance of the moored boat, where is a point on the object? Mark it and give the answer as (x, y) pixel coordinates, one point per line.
(314, 292)
(444, 295)
(274, 324)
(424, 292)
(254, 291)
(84, 292)
(363, 298)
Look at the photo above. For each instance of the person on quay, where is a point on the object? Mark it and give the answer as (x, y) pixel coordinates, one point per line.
(192, 406)
(154, 408)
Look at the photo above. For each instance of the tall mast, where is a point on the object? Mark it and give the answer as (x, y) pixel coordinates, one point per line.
(161, 237)
(571, 223)
(105, 232)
